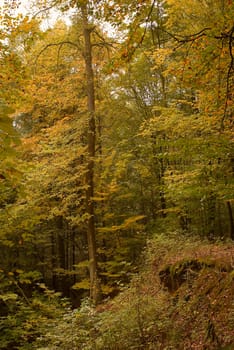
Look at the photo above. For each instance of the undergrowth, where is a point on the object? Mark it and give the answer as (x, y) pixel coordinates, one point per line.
(182, 298)
(196, 314)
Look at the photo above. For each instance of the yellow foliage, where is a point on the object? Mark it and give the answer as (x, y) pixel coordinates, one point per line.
(84, 284)
(127, 224)
(160, 55)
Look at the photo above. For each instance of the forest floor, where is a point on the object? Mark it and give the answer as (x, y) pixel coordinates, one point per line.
(182, 299)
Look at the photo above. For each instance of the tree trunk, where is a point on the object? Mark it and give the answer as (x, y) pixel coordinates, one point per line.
(91, 140)
(229, 206)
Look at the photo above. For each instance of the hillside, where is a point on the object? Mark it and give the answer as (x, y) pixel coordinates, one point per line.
(181, 299)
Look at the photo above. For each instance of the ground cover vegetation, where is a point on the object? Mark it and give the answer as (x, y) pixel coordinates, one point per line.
(116, 176)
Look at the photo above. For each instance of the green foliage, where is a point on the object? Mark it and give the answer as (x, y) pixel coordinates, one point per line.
(194, 167)
(10, 167)
(27, 309)
(8, 139)
(76, 329)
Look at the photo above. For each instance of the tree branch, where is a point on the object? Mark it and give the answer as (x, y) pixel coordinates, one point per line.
(46, 9)
(60, 44)
(227, 35)
(129, 56)
(103, 43)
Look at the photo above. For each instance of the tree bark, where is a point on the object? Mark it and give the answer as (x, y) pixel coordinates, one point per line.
(91, 141)
(229, 206)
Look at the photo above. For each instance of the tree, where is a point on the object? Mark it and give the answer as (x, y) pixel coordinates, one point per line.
(9, 174)
(203, 36)
(91, 145)
(87, 11)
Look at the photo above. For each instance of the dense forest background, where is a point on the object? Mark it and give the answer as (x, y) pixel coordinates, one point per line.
(116, 174)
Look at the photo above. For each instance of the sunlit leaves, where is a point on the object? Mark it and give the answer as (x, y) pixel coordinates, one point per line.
(9, 174)
(203, 35)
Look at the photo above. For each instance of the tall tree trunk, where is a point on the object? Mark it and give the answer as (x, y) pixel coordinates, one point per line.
(229, 206)
(91, 141)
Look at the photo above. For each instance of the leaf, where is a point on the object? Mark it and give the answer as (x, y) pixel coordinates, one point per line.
(84, 284)
(133, 219)
(81, 264)
(8, 297)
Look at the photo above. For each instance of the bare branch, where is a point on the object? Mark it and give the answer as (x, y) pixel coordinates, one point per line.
(103, 44)
(133, 49)
(55, 3)
(60, 44)
(183, 39)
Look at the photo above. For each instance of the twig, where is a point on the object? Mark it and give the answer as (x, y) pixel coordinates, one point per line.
(45, 9)
(60, 44)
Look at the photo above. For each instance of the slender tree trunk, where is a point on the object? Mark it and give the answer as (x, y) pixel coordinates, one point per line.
(229, 206)
(91, 141)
